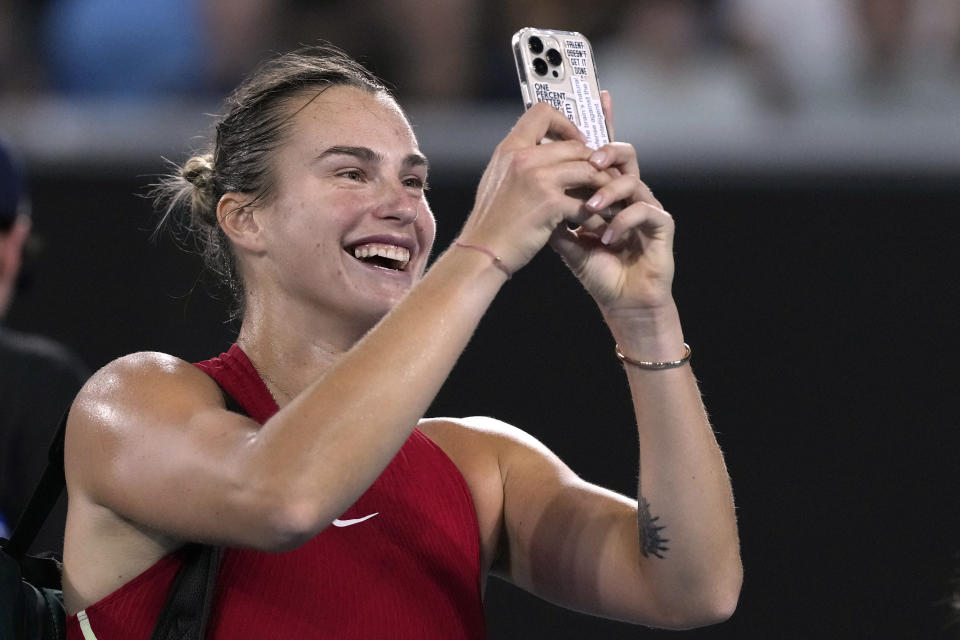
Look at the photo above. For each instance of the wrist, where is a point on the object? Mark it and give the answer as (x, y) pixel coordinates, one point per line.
(497, 261)
(653, 335)
(474, 271)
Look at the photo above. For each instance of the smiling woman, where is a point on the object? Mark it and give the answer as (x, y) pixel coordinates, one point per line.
(311, 204)
(259, 120)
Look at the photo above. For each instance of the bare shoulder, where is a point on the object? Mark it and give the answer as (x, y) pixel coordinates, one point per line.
(140, 382)
(122, 427)
(140, 377)
(490, 434)
(152, 458)
(484, 449)
(479, 438)
(127, 396)
(473, 444)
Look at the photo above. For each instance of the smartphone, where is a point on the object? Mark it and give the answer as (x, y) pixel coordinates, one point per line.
(558, 67)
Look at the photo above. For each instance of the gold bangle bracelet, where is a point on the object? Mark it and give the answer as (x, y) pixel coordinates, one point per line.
(657, 365)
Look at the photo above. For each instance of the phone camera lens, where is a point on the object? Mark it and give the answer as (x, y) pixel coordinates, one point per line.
(540, 67)
(535, 44)
(554, 57)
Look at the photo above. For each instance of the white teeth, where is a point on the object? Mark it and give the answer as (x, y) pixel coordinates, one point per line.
(388, 251)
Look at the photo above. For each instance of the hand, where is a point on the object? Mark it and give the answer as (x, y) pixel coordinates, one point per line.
(523, 196)
(625, 263)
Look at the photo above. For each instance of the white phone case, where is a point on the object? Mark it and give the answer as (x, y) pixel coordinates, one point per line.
(558, 67)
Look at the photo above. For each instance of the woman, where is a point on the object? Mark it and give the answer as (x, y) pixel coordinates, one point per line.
(313, 199)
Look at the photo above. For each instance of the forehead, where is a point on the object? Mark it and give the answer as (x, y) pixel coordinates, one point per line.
(351, 116)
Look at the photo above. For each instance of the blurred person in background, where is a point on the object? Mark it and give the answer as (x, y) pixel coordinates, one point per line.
(144, 49)
(38, 377)
(856, 56)
(909, 53)
(669, 60)
(343, 511)
(149, 49)
(20, 71)
(124, 50)
(431, 49)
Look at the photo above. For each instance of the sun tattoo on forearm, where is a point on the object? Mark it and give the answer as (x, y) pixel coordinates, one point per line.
(651, 542)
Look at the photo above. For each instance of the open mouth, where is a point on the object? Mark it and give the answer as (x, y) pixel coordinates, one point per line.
(385, 256)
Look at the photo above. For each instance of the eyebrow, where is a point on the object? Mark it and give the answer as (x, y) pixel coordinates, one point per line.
(367, 154)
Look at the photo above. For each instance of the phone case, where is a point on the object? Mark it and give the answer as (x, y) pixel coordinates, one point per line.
(558, 67)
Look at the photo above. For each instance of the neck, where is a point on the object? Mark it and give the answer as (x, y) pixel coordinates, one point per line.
(293, 347)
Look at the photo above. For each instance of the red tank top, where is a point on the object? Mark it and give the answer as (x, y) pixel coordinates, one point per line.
(412, 570)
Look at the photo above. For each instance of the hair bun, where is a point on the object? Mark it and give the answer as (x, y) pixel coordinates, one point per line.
(198, 170)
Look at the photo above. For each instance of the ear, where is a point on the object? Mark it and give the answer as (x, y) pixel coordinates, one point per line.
(239, 219)
(11, 247)
(11, 255)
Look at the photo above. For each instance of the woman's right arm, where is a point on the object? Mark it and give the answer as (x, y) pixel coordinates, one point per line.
(150, 439)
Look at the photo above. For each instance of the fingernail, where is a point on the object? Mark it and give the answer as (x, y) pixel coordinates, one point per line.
(595, 201)
(598, 157)
(606, 236)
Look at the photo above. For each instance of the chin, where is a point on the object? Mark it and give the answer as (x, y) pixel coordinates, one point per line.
(374, 311)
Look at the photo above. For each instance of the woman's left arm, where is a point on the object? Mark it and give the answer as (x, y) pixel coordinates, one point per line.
(685, 554)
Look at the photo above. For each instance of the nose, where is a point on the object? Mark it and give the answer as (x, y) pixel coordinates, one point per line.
(399, 203)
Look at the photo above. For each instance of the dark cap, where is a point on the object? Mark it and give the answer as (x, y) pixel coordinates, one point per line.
(12, 187)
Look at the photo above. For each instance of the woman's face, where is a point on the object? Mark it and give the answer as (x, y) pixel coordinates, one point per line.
(349, 228)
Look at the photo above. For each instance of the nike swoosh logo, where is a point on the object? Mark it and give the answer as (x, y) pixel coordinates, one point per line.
(347, 523)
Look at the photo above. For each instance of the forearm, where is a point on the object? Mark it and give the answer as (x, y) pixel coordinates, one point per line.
(327, 446)
(694, 559)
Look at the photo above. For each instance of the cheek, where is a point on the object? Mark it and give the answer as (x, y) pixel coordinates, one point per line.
(313, 221)
(427, 227)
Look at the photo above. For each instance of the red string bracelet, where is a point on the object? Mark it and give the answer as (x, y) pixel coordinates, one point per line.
(497, 262)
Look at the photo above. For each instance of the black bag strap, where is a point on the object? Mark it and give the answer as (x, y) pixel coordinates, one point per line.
(44, 497)
(180, 618)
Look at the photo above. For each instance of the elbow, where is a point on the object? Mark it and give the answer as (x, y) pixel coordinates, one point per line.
(718, 599)
(710, 603)
(718, 607)
(276, 513)
(703, 613)
(724, 594)
(276, 521)
(287, 527)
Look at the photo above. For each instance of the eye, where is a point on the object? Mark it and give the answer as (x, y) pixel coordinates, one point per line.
(415, 182)
(351, 174)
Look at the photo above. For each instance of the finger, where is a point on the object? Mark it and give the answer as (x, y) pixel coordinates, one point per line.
(625, 188)
(540, 121)
(653, 220)
(617, 155)
(574, 214)
(551, 154)
(606, 103)
(595, 225)
(577, 179)
(582, 220)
